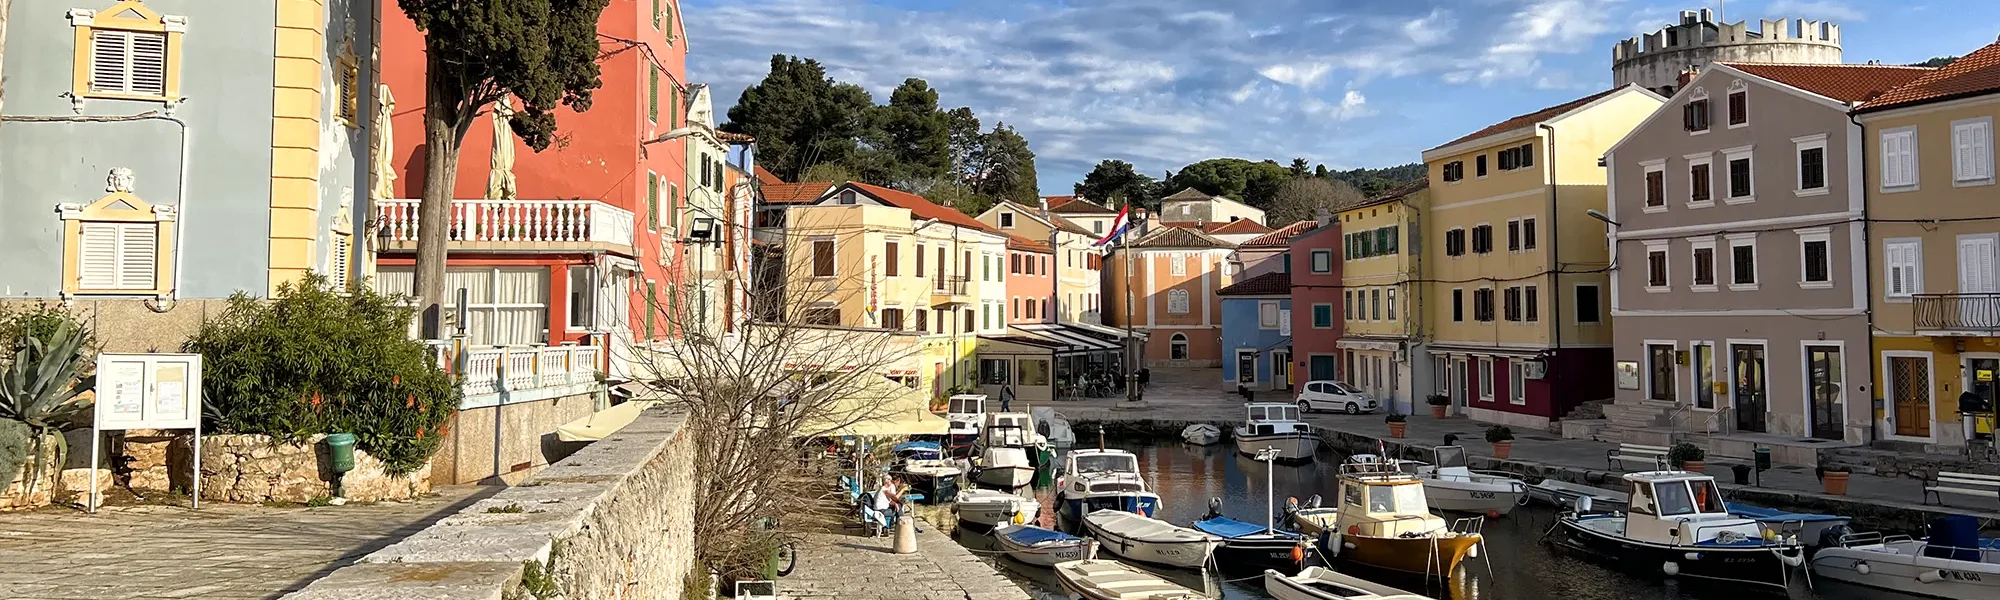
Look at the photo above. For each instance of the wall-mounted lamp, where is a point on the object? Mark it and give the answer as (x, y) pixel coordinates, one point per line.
(705, 230)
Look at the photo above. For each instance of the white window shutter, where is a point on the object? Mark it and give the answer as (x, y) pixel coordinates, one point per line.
(337, 264)
(97, 256)
(1982, 155)
(149, 64)
(137, 246)
(110, 61)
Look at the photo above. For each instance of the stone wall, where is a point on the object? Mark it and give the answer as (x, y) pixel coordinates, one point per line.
(507, 443)
(130, 326)
(613, 520)
(253, 468)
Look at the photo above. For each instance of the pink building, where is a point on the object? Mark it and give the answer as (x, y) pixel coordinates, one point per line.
(1318, 313)
(1031, 284)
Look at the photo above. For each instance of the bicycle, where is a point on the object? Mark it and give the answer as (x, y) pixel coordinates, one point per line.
(785, 557)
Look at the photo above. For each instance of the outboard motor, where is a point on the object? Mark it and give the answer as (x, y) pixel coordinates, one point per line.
(1214, 509)
(1313, 502)
(1291, 507)
(1831, 536)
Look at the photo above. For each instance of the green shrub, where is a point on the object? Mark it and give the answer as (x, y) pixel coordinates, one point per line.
(41, 321)
(314, 360)
(1394, 418)
(1681, 453)
(1499, 433)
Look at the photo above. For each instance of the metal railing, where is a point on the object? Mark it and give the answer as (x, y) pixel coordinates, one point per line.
(953, 286)
(492, 370)
(514, 221)
(1958, 312)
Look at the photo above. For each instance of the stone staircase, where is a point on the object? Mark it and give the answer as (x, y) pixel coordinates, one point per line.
(1588, 411)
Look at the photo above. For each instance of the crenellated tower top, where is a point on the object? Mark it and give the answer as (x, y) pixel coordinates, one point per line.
(1656, 60)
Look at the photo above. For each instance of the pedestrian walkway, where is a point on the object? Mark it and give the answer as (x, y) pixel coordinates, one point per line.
(850, 566)
(1194, 395)
(219, 552)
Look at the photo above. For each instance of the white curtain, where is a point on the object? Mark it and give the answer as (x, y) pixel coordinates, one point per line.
(506, 306)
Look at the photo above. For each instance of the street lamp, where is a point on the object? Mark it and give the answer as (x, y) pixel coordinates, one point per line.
(707, 231)
(671, 135)
(1599, 215)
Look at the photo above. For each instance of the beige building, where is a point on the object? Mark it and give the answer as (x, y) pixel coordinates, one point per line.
(1193, 206)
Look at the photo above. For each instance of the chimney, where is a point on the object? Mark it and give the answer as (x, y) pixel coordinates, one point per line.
(1707, 15)
(1323, 216)
(1687, 75)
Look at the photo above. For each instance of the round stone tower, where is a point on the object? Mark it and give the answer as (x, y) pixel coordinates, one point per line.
(1656, 60)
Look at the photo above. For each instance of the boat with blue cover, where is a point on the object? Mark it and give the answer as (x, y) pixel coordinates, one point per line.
(919, 450)
(1038, 545)
(1097, 479)
(1251, 546)
(1676, 525)
(1811, 529)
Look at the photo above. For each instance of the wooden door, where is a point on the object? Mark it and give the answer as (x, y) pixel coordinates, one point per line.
(1910, 388)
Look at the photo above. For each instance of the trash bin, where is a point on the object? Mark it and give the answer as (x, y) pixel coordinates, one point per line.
(340, 447)
(1742, 474)
(1763, 459)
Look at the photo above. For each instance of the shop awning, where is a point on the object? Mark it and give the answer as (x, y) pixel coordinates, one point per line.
(603, 423)
(1113, 332)
(881, 408)
(1078, 341)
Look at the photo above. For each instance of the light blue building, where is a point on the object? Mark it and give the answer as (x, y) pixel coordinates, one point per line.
(1257, 333)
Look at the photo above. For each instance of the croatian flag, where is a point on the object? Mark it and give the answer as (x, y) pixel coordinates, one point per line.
(1118, 227)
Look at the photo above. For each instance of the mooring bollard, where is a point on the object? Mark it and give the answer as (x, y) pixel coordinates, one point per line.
(906, 536)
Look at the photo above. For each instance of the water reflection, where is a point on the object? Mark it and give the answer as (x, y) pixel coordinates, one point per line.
(1514, 565)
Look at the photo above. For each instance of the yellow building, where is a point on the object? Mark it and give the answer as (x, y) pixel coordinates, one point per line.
(1383, 340)
(1516, 270)
(1934, 241)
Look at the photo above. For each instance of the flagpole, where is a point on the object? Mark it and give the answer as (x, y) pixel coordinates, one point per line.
(1136, 359)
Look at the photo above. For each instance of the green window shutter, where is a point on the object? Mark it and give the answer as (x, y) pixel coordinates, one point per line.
(656, 14)
(1395, 237)
(652, 306)
(669, 28)
(673, 106)
(653, 94)
(652, 202)
(674, 210)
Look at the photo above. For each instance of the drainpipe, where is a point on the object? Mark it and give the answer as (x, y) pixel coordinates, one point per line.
(158, 304)
(1868, 268)
(1414, 314)
(1555, 258)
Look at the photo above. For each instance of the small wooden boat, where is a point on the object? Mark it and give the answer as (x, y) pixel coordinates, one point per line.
(1276, 425)
(1677, 525)
(1313, 521)
(1201, 434)
(1037, 545)
(1150, 540)
(1453, 486)
(1932, 567)
(936, 479)
(1096, 479)
(1810, 529)
(1252, 546)
(1386, 523)
(1113, 580)
(990, 508)
(1319, 583)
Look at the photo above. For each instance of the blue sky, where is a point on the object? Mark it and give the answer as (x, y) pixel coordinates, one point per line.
(1161, 83)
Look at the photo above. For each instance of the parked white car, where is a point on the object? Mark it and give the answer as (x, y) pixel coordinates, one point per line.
(1334, 395)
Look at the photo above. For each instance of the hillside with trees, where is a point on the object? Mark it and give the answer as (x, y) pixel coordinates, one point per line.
(1287, 193)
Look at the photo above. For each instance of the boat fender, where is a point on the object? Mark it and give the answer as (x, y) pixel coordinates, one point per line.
(1790, 561)
(1472, 551)
(1861, 566)
(1693, 556)
(1298, 553)
(1333, 545)
(1930, 576)
(1671, 568)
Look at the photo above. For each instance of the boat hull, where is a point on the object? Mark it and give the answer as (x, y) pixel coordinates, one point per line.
(1291, 447)
(996, 513)
(1907, 574)
(1007, 477)
(1314, 521)
(1476, 499)
(1180, 554)
(1258, 552)
(1077, 579)
(1416, 556)
(1046, 554)
(936, 489)
(1753, 565)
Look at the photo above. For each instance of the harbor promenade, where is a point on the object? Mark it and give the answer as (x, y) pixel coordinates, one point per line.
(850, 566)
(1179, 397)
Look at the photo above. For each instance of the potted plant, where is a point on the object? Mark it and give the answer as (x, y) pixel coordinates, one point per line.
(1687, 457)
(1396, 425)
(1502, 439)
(1834, 479)
(1439, 404)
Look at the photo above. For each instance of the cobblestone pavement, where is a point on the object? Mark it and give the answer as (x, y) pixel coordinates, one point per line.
(220, 552)
(1196, 395)
(850, 566)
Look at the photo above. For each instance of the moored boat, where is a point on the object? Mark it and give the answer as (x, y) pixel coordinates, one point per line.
(1097, 479)
(1275, 425)
(1676, 524)
(1385, 522)
(964, 413)
(1563, 494)
(1811, 529)
(1150, 540)
(1005, 447)
(1320, 583)
(1113, 580)
(1053, 427)
(1252, 546)
(991, 508)
(1451, 485)
(1947, 564)
(1201, 434)
(936, 479)
(1037, 545)
(1315, 520)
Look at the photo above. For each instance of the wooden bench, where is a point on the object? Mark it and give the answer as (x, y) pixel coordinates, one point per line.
(1969, 484)
(1655, 456)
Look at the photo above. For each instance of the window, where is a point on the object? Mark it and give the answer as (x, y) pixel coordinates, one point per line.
(920, 260)
(1375, 304)
(1513, 235)
(1517, 382)
(652, 201)
(1739, 108)
(653, 93)
(1479, 165)
(1742, 180)
(132, 52)
(967, 321)
(1177, 264)
(1028, 266)
(822, 258)
(1510, 304)
(1656, 267)
(1006, 220)
(673, 216)
(1816, 267)
(891, 259)
(1587, 308)
(1349, 304)
(923, 321)
(1486, 379)
(1482, 239)
(1267, 315)
(1694, 116)
(1812, 164)
(1518, 157)
(1390, 301)
(1656, 185)
(1704, 375)
(1014, 263)
(1660, 372)
(1029, 304)
(1532, 303)
(1899, 158)
(1743, 262)
(1704, 263)
(582, 297)
(1177, 302)
(1322, 261)
(1482, 305)
(1454, 171)
(121, 244)
(1322, 316)
(1457, 305)
(1902, 263)
(507, 306)
(1699, 183)
(1454, 242)
(892, 319)
(1972, 151)
(1178, 346)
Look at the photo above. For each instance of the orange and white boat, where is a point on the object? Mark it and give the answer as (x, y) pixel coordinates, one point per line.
(1384, 521)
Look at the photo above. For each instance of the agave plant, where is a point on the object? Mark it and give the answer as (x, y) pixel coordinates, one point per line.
(42, 390)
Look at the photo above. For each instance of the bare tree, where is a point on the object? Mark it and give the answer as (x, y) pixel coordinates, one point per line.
(1300, 198)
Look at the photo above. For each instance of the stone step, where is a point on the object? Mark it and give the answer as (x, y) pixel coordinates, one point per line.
(1584, 429)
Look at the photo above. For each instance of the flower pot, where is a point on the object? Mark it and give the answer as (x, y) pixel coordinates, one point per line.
(1835, 482)
(1396, 429)
(1437, 412)
(1503, 449)
(1694, 466)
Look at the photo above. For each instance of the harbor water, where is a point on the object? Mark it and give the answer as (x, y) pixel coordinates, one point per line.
(1513, 565)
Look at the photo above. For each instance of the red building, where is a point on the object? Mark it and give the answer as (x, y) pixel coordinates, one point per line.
(1031, 286)
(1318, 310)
(568, 255)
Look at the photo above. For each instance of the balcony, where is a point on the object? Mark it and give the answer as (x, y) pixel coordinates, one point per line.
(1958, 314)
(513, 225)
(946, 291)
(490, 376)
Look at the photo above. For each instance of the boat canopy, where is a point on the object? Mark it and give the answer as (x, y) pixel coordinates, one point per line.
(1676, 496)
(966, 404)
(1229, 528)
(1103, 461)
(1385, 496)
(1029, 536)
(1272, 412)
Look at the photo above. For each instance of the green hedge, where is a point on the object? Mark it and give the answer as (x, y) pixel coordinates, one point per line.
(315, 360)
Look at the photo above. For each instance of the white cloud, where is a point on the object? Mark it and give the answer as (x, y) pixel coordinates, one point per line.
(1303, 75)
(1814, 9)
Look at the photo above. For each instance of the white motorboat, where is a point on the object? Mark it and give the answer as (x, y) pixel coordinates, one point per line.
(936, 479)
(1812, 529)
(1319, 583)
(1113, 580)
(1038, 546)
(1275, 425)
(1923, 567)
(992, 509)
(1150, 540)
(1201, 434)
(1096, 479)
(1563, 494)
(1453, 486)
(1005, 445)
(964, 413)
(1053, 427)
(1676, 524)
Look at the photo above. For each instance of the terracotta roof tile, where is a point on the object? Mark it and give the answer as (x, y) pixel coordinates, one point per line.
(733, 137)
(1970, 75)
(1180, 237)
(1275, 283)
(1240, 226)
(919, 207)
(1282, 237)
(1059, 222)
(795, 193)
(1529, 119)
(1391, 195)
(1020, 243)
(1846, 83)
(767, 177)
(1077, 206)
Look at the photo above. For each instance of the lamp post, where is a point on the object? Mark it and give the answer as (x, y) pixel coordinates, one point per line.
(705, 233)
(1269, 456)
